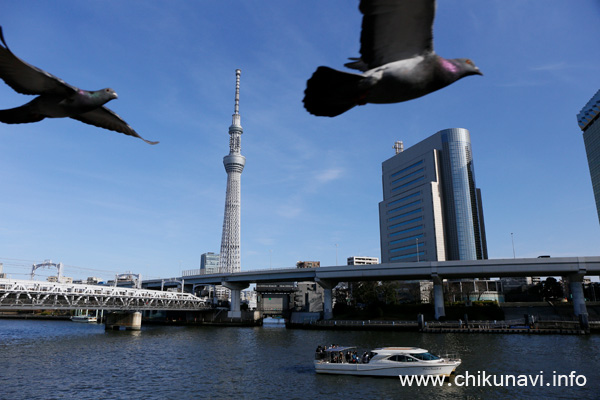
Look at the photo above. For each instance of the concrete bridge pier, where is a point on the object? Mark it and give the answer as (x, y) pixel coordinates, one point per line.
(438, 296)
(130, 320)
(578, 298)
(327, 286)
(576, 287)
(235, 310)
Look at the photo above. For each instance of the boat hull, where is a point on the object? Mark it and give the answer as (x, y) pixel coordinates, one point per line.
(376, 369)
(84, 319)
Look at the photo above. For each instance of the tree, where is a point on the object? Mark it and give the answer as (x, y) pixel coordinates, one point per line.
(552, 289)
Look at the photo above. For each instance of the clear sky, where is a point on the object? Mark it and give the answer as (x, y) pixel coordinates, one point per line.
(103, 203)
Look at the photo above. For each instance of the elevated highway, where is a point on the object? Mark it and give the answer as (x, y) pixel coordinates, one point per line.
(573, 268)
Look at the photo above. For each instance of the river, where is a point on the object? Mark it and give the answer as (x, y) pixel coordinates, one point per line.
(66, 360)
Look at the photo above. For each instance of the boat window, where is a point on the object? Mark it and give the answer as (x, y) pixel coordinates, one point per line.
(425, 356)
(401, 358)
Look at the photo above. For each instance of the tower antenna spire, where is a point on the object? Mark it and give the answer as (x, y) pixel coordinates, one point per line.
(236, 110)
(238, 72)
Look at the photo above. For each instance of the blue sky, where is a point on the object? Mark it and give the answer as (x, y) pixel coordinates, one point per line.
(102, 203)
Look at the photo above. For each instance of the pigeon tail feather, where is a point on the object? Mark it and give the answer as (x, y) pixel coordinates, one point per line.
(20, 115)
(330, 92)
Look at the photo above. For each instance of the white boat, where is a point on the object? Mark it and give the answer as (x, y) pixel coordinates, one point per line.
(385, 361)
(84, 318)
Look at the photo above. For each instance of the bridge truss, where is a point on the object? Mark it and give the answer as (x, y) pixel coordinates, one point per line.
(38, 295)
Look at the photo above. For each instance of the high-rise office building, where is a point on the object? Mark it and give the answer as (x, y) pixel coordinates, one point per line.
(234, 165)
(589, 124)
(209, 263)
(431, 209)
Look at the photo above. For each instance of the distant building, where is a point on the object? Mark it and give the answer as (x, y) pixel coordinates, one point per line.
(308, 297)
(469, 290)
(431, 208)
(308, 264)
(91, 280)
(415, 291)
(249, 297)
(519, 283)
(63, 279)
(209, 263)
(2, 274)
(589, 124)
(357, 260)
(275, 298)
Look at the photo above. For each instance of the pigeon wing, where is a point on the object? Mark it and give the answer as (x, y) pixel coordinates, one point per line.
(102, 117)
(24, 78)
(394, 30)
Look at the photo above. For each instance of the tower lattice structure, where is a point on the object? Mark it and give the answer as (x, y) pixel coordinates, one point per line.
(234, 165)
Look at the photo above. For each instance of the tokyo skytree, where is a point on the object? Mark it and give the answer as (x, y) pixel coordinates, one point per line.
(234, 165)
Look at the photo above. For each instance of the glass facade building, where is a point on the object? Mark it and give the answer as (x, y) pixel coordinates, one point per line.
(209, 263)
(590, 125)
(431, 208)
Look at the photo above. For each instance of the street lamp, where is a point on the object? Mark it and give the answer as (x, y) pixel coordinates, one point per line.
(513, 244)
(417, 239)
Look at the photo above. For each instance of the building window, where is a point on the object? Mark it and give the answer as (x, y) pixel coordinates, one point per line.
(414, 237)
(406, 230)
(411, 246)
(408, 176)
(414, 203)
(410, 221)
(408, 183)
(418, 210)
(420, 253)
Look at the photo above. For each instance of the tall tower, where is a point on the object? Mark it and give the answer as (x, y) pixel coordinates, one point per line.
(234, 165)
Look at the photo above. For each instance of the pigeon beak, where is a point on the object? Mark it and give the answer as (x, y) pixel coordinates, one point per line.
(116, 95)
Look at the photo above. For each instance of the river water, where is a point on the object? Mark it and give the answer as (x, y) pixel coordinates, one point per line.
(66, 360)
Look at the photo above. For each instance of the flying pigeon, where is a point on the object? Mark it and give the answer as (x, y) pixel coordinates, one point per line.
(56, 98)
(397, 60)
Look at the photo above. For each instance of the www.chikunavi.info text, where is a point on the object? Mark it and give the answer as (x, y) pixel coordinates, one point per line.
(483, 379)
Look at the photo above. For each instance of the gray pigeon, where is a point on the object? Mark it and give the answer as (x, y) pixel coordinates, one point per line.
(397, 60)
(57, 99)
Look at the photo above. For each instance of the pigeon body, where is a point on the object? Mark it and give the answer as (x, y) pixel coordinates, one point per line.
(56, 98)
(397, 60)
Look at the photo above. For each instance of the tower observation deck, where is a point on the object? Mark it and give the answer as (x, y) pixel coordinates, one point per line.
(234, 165)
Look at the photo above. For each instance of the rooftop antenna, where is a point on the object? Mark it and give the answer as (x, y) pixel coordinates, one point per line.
(399, 146)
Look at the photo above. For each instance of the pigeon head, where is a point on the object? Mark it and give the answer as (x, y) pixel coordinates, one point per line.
(463, 67)
(107, 94)
(87, 100)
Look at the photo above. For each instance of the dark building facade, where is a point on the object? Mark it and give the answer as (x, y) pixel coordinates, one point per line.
(431, 208)
(589, 124)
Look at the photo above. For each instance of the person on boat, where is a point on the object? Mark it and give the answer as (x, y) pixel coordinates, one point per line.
(365, 358)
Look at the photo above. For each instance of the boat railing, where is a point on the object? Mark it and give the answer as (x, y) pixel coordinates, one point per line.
(450, 356)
